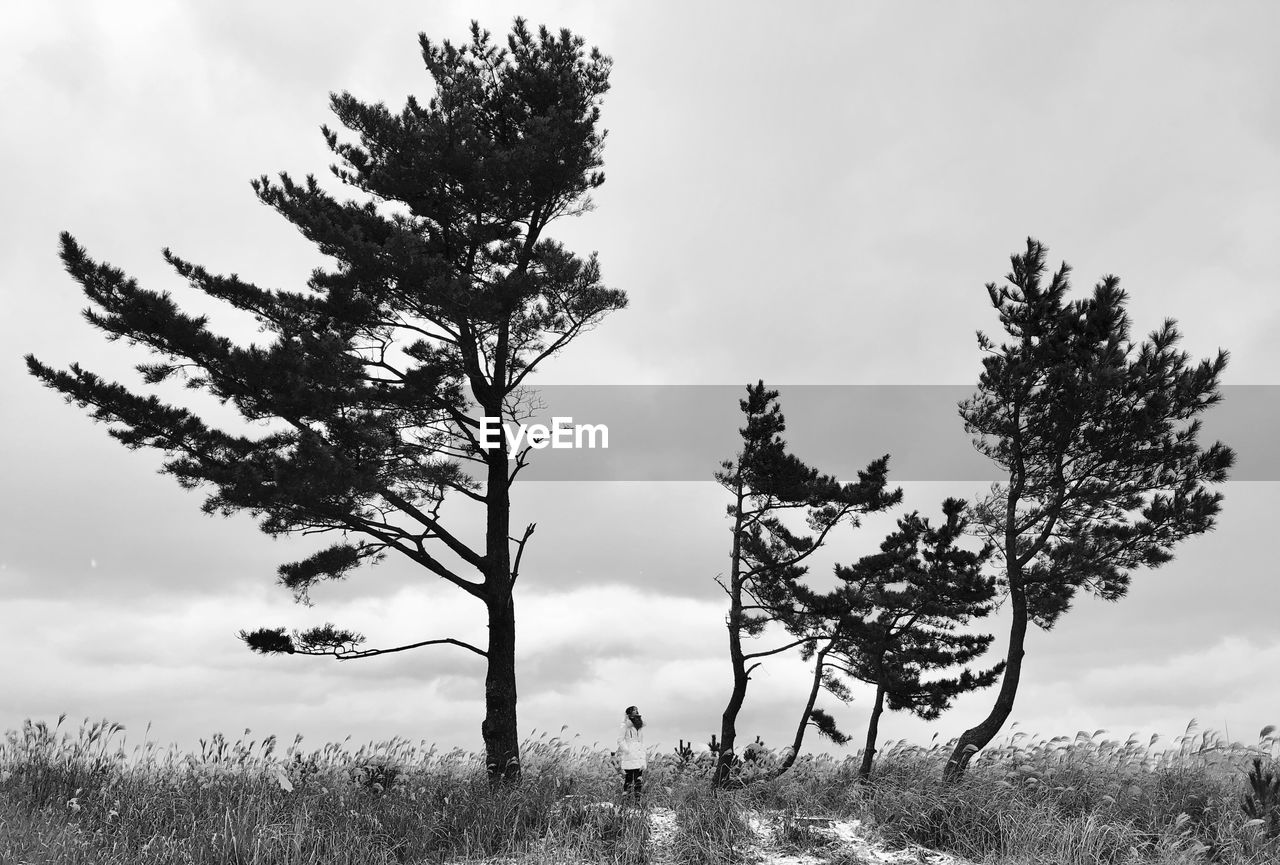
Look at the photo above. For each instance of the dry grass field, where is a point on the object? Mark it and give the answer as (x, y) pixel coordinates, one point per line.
(86, 796)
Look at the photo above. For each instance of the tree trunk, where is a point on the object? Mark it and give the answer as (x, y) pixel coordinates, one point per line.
(501, 737)
(790, 759)
(873, 730)
(729, 720)
(976, 738)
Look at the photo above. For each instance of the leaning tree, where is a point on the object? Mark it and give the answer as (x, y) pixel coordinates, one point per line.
(442, 295)
(1098, 441)
(768, 484)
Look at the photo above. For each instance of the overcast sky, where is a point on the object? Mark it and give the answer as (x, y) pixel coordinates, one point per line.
(807, 195)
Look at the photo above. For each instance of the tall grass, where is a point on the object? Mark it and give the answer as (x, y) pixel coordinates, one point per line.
(1082, 799)
(83, 796)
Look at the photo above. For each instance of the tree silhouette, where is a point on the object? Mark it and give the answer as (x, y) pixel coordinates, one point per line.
(767, 558)
(892, 621)
(1098, 439)
(445, 291)
(901, 610)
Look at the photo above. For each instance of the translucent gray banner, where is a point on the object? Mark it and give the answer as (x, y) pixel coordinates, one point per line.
(683, 432)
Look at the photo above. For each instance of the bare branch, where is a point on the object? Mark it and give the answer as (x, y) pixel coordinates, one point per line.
(352, 654)
(520, 544)
(749, 655)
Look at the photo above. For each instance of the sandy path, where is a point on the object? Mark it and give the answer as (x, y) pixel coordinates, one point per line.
(846, 841)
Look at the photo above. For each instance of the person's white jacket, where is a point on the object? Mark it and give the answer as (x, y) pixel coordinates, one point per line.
(631, 746)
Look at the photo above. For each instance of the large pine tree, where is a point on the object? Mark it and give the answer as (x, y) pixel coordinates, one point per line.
(443, 296)
(1098, 439)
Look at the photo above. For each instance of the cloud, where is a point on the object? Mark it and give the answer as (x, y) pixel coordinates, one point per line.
(1228, 672)
(828, 217)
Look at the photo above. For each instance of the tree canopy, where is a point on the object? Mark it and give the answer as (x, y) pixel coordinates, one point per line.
(897, 615)
(1098, 439)
(442, 295)
(767, 558)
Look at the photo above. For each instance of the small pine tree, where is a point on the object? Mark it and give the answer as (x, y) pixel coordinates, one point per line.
(892, 622)
(1262, 800)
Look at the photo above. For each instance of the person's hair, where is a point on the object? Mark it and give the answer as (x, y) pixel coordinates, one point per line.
(634, 717)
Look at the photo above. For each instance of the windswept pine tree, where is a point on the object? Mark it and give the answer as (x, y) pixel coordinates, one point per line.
(1098, 439)
(769, 484)
(898, 613)
(891, 622)
(445, 293)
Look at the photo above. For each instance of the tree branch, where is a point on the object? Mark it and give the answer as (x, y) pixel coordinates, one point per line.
(750, 655)
(352, 654)
(520, 544)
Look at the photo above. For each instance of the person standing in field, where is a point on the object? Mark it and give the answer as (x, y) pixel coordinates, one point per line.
(631, 756)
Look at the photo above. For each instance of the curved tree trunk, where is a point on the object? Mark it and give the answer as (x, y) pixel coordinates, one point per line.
(729, 722)
(976, 738)
(873, 730)
(820, 658)
(729, 719)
